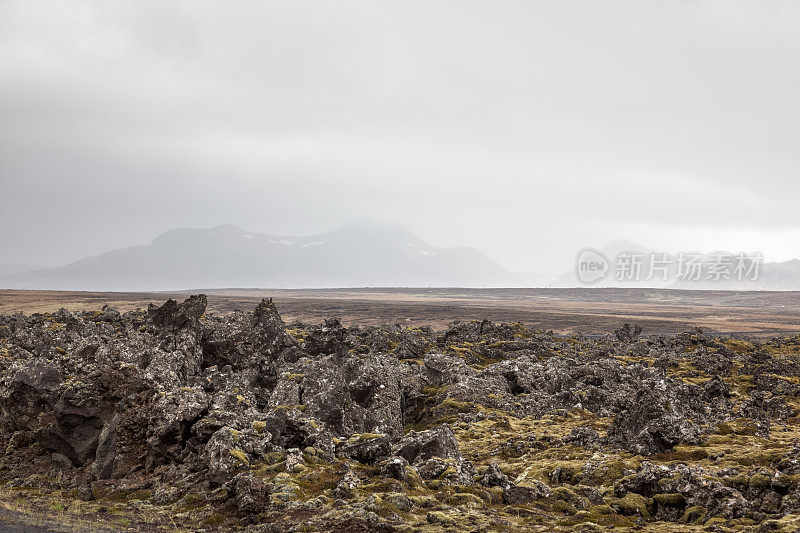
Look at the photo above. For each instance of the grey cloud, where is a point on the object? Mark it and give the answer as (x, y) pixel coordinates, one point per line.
(554, 124)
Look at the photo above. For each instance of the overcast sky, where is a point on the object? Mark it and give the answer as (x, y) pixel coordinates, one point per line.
(526, 129)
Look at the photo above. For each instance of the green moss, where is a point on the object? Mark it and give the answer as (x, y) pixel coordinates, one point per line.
(570, 473)
(459, 499)
(140, 495)
(434, 391)
(724, 428)
(630, 504)
(669, 500)
(564, 493)
(214, 519)
(601, 515)
(239, 455)
(561, 506)
(438, 517)
(369, 436)
(461, 407)
(695, 515)
(191, 502)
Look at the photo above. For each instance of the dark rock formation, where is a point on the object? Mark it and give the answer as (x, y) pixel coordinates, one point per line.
(364, 427)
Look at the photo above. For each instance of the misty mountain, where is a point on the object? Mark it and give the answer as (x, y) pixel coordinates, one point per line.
(8, 267)
(356, 255)
(783, 276)
(570, 279)
(772, 276)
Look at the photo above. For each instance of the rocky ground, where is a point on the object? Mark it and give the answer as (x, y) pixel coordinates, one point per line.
(173, 419)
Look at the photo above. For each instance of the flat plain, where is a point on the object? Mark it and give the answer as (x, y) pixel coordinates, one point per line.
(568, 311)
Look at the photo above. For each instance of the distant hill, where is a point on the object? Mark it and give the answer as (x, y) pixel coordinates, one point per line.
(356, 255)
(7, 267)
(783, 276)
(570, 279)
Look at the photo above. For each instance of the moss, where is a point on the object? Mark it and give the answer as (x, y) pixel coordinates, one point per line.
(438, 517)
(682, 454)
(273, 457)
(738, 482)
(723, 428)
(561, 506)
(570, 473)
(630, 504)
(673, 499)
(464, 499)
(369, 436)
(610, 472)
(140, 495)
(461, 407)
(214, 519)
(314, 482)
(602, 509)
(192, 501)
(601, 515)
(695, 514)
(239, 455)
(564, 493)
(759, 458)
(259, 426)
(430, 390)
(716, 521)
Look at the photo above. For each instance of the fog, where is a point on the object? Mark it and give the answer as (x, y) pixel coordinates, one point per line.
(526, 129)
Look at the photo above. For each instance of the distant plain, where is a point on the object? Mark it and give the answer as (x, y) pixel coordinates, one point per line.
(585, 311)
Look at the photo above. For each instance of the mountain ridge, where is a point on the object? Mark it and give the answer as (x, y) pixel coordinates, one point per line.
(358, 254)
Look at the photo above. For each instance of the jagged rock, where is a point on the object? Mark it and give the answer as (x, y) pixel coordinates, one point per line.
(171, 417)
(230, 451)
(291, 430)
(61, 462)
(201, 410)
(528, 492)
(395, 467)
(108, 314)
(329, 339)
(176, 316)
(583, 436)
(417, 447)
(654, 422)
(493, 477)
(250, 494)
(106, 451)
(367, 448)
(627, 333)
(346, 487)
(716, 388)
(353, 395)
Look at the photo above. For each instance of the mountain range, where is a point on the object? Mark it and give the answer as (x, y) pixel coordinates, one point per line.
(356, 255)
(771, 276)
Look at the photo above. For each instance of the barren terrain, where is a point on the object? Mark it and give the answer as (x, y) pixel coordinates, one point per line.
(180, 418)
(567, 311)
